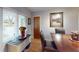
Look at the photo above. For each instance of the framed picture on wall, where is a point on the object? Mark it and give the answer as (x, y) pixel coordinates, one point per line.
(56, 19)
(29, 21)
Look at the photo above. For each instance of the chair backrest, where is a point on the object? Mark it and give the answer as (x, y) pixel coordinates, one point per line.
(43, 41)
(60, 31)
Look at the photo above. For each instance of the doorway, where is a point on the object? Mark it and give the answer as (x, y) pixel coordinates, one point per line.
(37, 27)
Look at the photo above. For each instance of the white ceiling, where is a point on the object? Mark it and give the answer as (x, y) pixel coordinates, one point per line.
(36, 9)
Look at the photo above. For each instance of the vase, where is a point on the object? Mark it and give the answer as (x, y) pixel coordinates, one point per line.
(22, 31)
(75, 37)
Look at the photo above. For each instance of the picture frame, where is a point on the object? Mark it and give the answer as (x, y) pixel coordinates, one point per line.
(29, 21)
(56, 19)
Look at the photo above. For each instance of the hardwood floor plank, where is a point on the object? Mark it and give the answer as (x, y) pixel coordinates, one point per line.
(35, 46)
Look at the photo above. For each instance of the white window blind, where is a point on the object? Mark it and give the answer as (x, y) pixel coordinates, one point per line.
(9, 25)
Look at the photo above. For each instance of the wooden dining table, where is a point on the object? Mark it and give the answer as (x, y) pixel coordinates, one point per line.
(64, 43)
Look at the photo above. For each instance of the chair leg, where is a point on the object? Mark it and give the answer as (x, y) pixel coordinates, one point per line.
(42, 49)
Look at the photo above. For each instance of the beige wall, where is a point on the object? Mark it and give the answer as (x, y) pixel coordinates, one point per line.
(1, 28)
(70, 20)
(19, 11)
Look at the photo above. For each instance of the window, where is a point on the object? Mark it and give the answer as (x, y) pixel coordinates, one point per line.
(9, 25)
(22, 22)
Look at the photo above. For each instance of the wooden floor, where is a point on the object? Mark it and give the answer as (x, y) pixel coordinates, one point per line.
(35, 46)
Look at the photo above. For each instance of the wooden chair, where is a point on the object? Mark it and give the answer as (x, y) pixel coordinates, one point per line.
(45, 47)
(59, 31)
